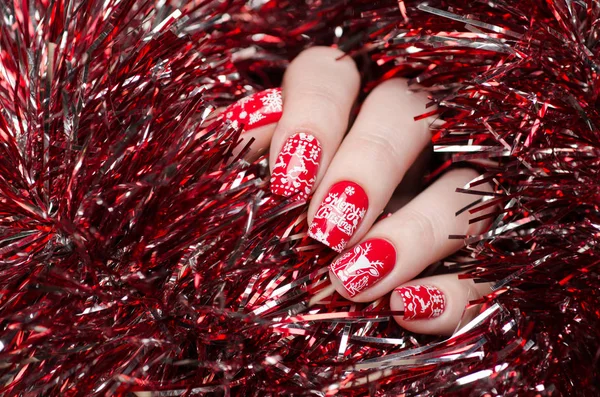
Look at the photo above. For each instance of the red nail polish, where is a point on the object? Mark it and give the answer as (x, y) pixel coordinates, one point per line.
(256, 110)
(296, 168)
(364, 265)
(422, 302)
(339, 215)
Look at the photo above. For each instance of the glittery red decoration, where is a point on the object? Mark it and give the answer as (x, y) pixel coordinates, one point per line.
(137, 256)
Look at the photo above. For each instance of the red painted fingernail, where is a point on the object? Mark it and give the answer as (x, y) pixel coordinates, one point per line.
(296, 168)
(422, 302)
(339, 215)
(256, 110)
(364, 265)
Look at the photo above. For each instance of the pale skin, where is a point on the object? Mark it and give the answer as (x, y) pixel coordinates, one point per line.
(319, 90)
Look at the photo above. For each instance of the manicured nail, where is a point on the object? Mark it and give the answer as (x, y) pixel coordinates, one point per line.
(339, 215)
(363, 266)
(422, 302)
(296, 168)
(256, 110)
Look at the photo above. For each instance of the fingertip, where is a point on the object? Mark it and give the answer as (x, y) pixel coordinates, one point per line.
(426, 308)
(437, 305)
(258, 115)
(355, 272)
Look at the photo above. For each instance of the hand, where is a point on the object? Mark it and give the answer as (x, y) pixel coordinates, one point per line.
(353, 177)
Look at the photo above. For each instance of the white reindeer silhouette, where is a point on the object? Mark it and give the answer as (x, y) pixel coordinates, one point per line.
(423, 304)
(359, 264)
(297, 170)
(293, 173)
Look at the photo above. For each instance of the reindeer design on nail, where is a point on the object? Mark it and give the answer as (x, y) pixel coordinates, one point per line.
(296, 167)
(422, 301)
(358, 264)
(297, 170)
(424, 305)
(365, 265)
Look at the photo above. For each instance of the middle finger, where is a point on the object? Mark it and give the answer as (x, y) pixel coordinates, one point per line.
(372, 160)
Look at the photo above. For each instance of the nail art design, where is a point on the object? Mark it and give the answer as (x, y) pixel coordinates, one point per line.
(339, 215)
(422, 302)
(264, 107)
(363, 266)
(296, 168)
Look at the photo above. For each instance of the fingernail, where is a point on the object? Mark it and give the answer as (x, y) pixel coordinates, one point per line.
(422, 302)
(364, 265)
(256, 110)
(339, 215)
(296, 168)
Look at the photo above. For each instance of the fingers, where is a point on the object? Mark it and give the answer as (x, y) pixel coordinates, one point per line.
(258, 115)
(319, 90)
(437, 305)
(381, 146)
(400, 246)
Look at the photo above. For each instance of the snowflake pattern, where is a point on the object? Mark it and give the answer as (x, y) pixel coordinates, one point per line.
(257, 109)
(314, 153)
(288, 146)
(272, 102)
(300, 150)
(349, 191)
(256, 116)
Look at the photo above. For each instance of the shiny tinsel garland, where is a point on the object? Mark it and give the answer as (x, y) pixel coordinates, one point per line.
(137, 256)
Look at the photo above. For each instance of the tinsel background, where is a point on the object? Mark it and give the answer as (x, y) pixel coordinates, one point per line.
(137, 256)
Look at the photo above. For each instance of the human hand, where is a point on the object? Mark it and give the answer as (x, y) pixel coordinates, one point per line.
(354, 174)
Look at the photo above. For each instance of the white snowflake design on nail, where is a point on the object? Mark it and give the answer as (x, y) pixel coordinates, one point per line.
(256, 116)
(272, 102)
(314, 153)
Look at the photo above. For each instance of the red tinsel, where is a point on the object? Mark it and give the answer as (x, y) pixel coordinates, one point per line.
(136, 255)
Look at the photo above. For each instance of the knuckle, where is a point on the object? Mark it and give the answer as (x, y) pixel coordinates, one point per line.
(378, 147)
(463, 176)
(323, 96)
(423, 227)
(459, 178)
